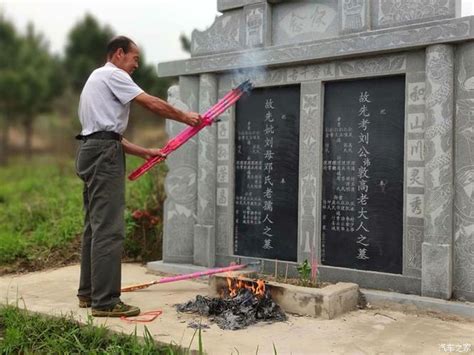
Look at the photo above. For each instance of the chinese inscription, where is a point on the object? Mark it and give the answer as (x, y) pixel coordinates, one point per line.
(266, 174)
(362, 202)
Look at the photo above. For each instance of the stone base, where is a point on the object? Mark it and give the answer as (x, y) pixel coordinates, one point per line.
(436, 280)
(327, 303)
(161, 267)
(410, 303)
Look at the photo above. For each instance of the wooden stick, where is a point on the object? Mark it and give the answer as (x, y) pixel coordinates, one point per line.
(286, 272)
(193, 275)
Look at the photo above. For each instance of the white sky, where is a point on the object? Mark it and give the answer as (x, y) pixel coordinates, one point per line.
(154, 24)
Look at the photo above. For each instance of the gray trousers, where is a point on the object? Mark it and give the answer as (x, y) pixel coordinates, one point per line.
(101, 166)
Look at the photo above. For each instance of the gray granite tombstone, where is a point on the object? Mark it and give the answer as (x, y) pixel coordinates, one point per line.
(311, 44)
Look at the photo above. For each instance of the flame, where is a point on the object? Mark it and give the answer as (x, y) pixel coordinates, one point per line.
(234, 285)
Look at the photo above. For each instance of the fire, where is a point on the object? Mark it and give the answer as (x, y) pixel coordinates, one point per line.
(234, 285)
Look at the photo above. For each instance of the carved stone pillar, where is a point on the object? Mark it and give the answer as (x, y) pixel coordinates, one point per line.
(463, 267)
(205, 229)
(437, 248)
(181, 181)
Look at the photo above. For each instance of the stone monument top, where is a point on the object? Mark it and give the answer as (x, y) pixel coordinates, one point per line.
(244, 23)
(252, 33)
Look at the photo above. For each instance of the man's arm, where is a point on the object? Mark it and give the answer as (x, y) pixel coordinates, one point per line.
(133, 149)
(164, 109)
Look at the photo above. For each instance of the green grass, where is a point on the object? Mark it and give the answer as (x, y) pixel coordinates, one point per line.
(40, 208)
(22, 332)
(41, 211)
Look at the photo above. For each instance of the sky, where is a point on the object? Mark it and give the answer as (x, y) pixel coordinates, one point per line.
(154, 24)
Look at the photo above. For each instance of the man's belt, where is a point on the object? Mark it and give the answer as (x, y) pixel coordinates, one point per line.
(100, 135)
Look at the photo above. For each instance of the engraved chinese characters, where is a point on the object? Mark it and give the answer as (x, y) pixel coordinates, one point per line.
(362, 200)
(266, 173)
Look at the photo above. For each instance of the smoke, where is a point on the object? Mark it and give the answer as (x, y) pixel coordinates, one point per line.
(249, 68)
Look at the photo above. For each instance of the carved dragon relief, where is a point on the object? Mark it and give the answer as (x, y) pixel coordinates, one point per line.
(402, 11)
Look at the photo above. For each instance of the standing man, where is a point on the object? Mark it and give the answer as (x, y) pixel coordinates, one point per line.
(103, 111)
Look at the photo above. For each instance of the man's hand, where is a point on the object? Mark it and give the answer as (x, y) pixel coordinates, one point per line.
(192, 118)
(153, 152)
(145, 153)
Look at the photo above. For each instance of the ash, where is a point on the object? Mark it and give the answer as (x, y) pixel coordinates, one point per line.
(235, 313)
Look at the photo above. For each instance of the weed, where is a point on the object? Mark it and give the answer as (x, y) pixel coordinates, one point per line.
(25, 333)
(304, 270)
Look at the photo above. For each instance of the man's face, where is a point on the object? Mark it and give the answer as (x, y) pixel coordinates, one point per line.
(128, 61)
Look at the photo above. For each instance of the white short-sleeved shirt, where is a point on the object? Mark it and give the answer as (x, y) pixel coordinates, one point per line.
(105, 100)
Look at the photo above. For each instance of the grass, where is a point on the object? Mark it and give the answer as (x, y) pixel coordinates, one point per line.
(40, 209)
(41, 213)
(22, 332)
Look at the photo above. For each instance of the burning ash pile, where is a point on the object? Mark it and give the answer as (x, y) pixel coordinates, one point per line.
(241, 305)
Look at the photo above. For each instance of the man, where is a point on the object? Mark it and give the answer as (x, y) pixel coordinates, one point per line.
(103, 111)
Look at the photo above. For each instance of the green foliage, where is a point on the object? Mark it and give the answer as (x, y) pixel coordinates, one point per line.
(86, 49)
(36, 69)
(304, 270)
(12, 246)
(9, 75)
(25, 333)
(40, 209)
(29, 77)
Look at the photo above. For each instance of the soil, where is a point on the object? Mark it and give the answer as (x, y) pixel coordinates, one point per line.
(56, 257)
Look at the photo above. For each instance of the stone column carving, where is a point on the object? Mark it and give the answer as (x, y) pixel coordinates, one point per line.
(354, 15)
(225, 173)
(181, 181)
(463, 262)
(309, 172)
(205, 229)
(438, 240)
(258, 29)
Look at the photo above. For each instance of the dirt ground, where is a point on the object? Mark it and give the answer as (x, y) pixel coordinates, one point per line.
(366, 331)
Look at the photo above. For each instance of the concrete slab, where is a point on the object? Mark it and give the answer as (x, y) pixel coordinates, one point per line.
(366, 331)
(416, 303)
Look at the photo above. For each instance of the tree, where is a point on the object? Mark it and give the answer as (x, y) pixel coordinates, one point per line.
(9, 80)
(29, 81)
(39, 82)
(185, 43)
(86, 50)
